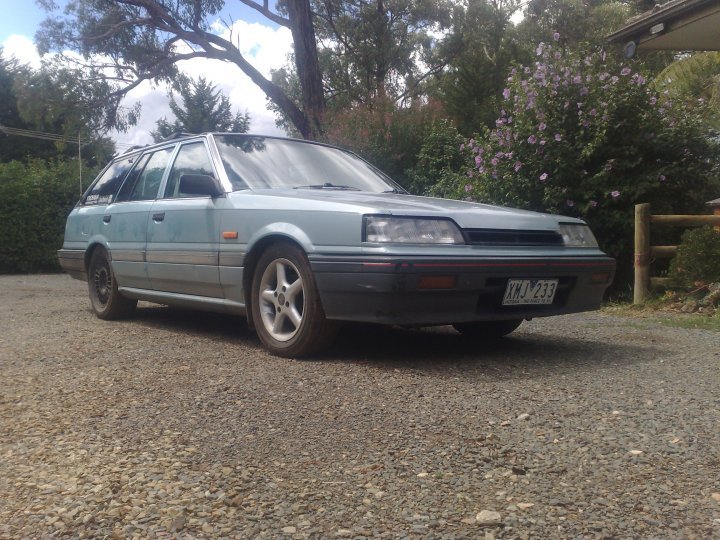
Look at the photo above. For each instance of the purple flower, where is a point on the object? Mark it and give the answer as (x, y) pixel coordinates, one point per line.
(577, 79)
(532, 139)
(615, 194)
(478, 161)
(593, 112)
(614, 79)
(570, 202)
(506, 93)
(558, 137)
(661, 177)
(653, 100)
(494, 161)
(584, 91)
(542, 142)
(625, 71)
(540, 48)
(556, 36)
(462, 147)
(468, 188)
(542, 126)
(593, 203)
(517, 166)
(543, 177)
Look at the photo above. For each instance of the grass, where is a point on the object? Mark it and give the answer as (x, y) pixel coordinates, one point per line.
(654, 310)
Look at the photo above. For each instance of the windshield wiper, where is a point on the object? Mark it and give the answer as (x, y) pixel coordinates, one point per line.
(328, 185)
(398, 191)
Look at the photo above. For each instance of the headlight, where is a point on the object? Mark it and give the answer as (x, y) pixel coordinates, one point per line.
(577, 235)
(411, 230)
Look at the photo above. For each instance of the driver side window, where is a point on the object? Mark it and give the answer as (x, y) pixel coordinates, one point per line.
(191, 159)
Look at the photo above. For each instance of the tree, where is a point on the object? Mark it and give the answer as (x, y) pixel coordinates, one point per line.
(203, 108)
(137, 40)
(51, 100)
(379, 49)
(486, 45)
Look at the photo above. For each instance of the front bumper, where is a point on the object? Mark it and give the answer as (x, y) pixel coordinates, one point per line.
(390, 290)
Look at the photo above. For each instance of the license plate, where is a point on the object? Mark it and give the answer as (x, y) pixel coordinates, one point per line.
(529, 291)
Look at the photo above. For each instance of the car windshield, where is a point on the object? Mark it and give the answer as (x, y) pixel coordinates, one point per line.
(268, 163)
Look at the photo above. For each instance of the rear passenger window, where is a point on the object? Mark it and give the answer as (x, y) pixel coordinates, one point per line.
(104, 189)
(148, 182)
(191, 159)
(129, 184)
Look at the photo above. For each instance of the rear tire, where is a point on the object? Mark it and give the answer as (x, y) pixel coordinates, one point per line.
(105, 299)
(487, 329)
(286, 309)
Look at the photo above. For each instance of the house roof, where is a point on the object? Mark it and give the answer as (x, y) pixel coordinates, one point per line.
(680, 25)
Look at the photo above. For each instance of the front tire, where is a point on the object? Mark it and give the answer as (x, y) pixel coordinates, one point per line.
(286, 308)
(488, 329)
(105, 299)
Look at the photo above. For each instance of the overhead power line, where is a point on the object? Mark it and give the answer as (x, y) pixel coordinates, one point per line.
(50, 136)
(55, 138)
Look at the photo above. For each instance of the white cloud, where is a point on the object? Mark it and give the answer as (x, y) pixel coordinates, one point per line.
(264, 47)
(22, 48)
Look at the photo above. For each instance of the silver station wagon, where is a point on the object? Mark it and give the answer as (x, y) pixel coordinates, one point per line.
(299, 236)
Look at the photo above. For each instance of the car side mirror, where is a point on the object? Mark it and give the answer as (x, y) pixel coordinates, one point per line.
(200, 184)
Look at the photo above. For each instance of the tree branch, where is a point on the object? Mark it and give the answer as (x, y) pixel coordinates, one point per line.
(265, 10)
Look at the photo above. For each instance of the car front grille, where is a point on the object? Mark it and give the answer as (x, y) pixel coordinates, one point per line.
(503, 237)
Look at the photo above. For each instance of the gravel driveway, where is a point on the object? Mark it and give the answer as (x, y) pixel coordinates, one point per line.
(178, 424)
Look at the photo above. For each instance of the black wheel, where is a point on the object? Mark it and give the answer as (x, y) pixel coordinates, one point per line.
(286, 308)
(106, 300)
(487, 329)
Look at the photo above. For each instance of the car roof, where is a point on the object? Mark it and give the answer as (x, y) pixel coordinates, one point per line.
(180, 137)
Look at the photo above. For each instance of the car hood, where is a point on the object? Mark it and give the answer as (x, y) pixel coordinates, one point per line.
(468, 215)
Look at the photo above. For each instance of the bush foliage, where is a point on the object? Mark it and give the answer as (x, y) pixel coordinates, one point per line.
(697, 259)
(579, 137)
(35, 200)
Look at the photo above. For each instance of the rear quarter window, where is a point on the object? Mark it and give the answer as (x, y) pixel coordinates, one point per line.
(104, 189)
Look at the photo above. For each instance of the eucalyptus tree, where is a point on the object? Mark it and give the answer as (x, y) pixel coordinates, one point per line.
(131, 41)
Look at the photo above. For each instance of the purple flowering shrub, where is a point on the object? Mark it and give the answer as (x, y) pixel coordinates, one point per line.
(580, 137)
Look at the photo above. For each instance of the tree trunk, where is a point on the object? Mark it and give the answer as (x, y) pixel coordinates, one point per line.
(308, 67)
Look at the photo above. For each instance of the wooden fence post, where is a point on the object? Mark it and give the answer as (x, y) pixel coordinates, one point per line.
(642, 253)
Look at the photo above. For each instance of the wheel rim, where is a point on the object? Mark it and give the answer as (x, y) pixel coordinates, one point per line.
(102, 284)
(281, 299)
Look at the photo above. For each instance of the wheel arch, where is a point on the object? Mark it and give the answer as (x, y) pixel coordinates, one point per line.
(92, 246)
(252, 257)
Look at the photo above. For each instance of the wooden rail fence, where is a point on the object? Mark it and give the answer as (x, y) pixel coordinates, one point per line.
(645, 253)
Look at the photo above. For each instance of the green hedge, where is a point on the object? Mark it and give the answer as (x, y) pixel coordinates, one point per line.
(35, 200)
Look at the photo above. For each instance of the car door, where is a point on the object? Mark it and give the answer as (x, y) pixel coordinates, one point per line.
(126, 220)
(184, 230)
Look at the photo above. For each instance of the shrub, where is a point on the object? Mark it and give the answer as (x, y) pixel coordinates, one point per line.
(435, 173)
(697, 259)
(582, 138)
(35, 200)
(384, 134)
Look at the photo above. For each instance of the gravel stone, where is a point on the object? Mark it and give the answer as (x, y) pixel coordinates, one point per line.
(177, 424)
(488, 517)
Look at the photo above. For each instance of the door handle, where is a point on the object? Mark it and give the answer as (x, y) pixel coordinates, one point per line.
(106, 218)
(158, 216)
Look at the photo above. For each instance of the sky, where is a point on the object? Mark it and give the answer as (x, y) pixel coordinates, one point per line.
(262, 42)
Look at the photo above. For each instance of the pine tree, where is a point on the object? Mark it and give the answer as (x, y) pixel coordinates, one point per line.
(203, 108)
